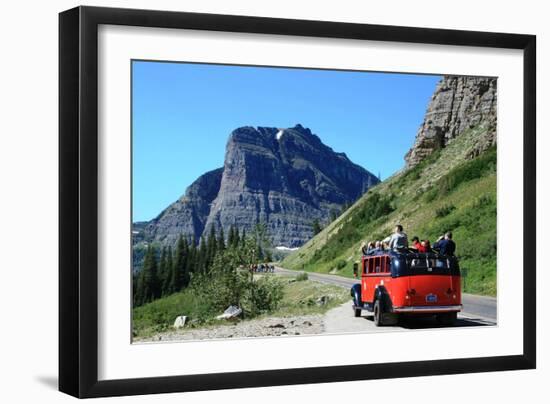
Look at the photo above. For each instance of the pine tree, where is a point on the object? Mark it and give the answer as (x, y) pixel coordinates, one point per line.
(168, 271)
(260, 253)
(180, 273)
(191, 257)
(200, 257)
(138, 288)
(316, 226)
(221, 240)
(162, 270)
(185, 275)
(268, 255)
(231, 236)
(236, 238)
(243, 238)
(211, 247)
(148, 283)
(175, 285)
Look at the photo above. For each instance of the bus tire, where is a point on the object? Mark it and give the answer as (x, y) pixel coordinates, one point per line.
(446, 318)
(377, 311)
(390, 318)
(356, 312)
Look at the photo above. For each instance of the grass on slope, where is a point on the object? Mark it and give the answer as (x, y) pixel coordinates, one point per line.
(446, 191)
(299, 298)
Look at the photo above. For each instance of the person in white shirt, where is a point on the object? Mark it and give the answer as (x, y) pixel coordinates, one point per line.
(398, 239)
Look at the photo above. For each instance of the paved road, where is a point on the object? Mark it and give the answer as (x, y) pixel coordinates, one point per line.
(341, 320)
(478, 310)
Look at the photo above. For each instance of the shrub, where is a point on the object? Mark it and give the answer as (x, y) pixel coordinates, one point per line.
(482, 201)
(227, 285)
(263, 295)
(431, 195)
(444, 210)
(374, 207)
(341, 264)
(302, 276)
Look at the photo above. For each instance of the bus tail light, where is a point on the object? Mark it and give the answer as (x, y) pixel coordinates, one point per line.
(451, 292)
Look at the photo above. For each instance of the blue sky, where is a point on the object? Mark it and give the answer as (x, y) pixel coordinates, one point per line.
(183, 114)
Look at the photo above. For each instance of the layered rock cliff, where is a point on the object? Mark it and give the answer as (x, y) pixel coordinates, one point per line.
(188, 214)
(458, 104)
(284, 178)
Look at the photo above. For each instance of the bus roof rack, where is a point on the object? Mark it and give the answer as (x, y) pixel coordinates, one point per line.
(407, 252)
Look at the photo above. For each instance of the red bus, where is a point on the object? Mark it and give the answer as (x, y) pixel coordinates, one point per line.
(402, 282)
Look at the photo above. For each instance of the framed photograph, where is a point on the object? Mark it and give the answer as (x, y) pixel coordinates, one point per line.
(249, 201)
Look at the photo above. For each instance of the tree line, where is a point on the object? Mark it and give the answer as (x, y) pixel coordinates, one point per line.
(168, 270)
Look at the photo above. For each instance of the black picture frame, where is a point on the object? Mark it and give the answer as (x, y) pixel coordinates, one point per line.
(78, 200)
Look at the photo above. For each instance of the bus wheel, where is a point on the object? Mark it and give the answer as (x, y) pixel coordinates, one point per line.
(377, 314)
(446, 318)
(390, 318)
(357, 312)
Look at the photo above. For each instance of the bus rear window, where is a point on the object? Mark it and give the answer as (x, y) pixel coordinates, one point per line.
(425, 263)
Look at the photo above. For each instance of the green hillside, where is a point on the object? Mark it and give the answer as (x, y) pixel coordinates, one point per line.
(450, 190)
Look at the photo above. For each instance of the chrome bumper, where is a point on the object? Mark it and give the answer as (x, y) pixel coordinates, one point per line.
(427, 309)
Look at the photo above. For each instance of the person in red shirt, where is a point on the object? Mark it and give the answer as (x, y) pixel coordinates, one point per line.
(417, 245)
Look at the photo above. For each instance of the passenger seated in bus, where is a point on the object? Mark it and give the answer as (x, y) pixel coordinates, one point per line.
(445, 244)
(398, 239)
(371, 247)
(368, 249)
(426, 246)
(416, 244)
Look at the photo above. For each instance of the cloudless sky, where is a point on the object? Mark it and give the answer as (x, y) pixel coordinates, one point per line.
(183, 114)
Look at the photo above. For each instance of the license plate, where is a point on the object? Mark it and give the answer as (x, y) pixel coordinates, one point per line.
(431, 298)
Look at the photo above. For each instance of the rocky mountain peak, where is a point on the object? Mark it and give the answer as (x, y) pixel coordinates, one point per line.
(283, 177)
(458, 104)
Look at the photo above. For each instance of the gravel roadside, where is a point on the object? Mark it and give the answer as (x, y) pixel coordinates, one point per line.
(265, 327)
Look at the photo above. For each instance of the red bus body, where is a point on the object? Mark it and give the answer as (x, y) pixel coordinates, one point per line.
(410, 283)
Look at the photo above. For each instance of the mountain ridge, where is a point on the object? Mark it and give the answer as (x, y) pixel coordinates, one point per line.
(285, 178)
